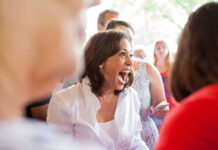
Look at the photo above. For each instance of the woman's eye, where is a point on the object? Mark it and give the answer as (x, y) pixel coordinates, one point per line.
(122, 54)
(131, 55)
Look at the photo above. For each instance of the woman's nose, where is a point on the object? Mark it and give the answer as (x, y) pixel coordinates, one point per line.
(129, 61)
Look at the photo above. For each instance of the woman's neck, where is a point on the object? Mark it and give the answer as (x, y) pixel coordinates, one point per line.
(161, 62)
(108, 104)
(107, 93)
(161, 65)
(107, 90)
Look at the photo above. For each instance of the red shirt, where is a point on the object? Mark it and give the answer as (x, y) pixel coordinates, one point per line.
(193, 124)
(165, 80)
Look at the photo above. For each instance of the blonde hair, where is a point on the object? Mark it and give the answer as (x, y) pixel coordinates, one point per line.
(168, 58)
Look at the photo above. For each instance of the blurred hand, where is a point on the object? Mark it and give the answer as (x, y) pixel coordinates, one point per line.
(160, 112)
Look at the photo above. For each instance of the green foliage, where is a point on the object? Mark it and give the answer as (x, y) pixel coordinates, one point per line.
(189, 5)
(157, 19)
(186, 5)
(149, 6)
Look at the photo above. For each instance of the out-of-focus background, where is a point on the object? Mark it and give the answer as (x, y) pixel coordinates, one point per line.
(152, 20)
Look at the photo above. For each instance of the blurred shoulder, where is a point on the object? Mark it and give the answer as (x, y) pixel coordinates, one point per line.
(73, 89)
(152, 71)
(20, 135)
(196, 114)
(67, 96)
(150, 67)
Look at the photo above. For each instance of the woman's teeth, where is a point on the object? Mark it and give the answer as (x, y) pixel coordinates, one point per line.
(122, 77)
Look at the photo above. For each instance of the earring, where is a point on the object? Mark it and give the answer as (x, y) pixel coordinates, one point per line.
(101, 66)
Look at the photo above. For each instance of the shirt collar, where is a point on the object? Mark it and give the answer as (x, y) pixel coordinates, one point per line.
(90, 97)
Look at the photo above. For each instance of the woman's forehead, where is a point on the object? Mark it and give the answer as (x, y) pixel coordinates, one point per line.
(125, 44)
(160, 43)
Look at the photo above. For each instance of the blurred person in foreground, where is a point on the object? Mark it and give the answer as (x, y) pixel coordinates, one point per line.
(102, 108)
(193, 124)
(38, 46)
(102, 21)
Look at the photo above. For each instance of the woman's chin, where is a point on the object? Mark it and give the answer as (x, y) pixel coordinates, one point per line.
(119, 88)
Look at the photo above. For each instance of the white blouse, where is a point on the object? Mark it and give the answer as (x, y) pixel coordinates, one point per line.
(76, 108)
(111, 129)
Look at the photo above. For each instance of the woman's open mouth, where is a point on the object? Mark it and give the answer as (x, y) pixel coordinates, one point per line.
(123, 76)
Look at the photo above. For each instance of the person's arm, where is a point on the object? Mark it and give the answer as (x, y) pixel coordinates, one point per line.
(157, 91)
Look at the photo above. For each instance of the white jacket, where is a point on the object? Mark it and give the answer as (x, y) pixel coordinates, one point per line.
(76, 108)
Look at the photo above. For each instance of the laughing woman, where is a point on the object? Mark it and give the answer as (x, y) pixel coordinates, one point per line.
(102, 107)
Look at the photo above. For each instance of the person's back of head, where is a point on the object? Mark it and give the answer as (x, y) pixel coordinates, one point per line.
(124, 26)
(113, 23)
(104, 17)
(196, 61)
(140, 53)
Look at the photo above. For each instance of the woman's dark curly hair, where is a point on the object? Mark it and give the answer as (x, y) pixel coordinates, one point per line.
(99, 48)
(196, 63)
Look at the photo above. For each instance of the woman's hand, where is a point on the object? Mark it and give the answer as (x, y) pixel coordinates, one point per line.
(160, 111)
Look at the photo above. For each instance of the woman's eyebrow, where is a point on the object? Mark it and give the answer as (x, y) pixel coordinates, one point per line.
(126, 49)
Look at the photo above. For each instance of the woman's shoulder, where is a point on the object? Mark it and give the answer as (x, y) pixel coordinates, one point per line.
(196, 113)
(150, 67)
(152, 71)
(70, 89)
(68, 95)
(43, 137)
(205, 96)
(130, 91)
(201, 106)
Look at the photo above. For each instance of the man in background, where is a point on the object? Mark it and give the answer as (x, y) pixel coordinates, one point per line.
(104, 17)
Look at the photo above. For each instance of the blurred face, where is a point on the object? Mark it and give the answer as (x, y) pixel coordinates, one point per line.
(161, 50)
(128, 31)
(62, 53)
(107, 17)
(116, 68)
(44, 41)
(140, 53)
